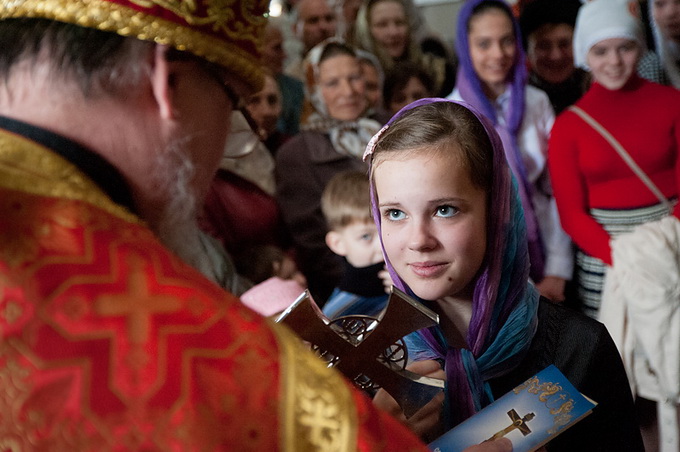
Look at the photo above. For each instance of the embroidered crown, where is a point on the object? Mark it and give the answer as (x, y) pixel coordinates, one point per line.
(226, 32)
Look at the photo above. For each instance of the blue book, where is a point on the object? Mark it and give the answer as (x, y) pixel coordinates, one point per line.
(530, 415)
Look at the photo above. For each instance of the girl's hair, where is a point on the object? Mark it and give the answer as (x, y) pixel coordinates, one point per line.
(487, 6)
(436, 127)
(399, 76)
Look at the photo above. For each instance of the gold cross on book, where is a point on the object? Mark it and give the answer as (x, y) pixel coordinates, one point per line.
(518, 423)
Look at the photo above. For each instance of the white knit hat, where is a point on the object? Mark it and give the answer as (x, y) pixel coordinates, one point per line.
(598, 20)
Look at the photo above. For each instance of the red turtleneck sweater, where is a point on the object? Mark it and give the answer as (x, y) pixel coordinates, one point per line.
(587, 172)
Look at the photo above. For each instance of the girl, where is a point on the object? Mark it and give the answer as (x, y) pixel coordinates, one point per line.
(454, 236)
(492, 78)
(386, 29)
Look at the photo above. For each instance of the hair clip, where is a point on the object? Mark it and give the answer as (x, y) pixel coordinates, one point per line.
(374, 142)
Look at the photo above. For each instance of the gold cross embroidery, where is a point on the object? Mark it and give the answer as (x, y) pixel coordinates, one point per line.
(322, 419)
(137, 303)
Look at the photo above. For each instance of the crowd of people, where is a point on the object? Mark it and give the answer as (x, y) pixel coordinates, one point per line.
(173, 175)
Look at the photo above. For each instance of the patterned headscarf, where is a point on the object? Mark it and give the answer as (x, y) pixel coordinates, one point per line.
(504, 304)
(470, 87)
(348, 137)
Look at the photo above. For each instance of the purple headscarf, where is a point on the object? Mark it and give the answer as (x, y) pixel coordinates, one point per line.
(470, 87)
(504, 304)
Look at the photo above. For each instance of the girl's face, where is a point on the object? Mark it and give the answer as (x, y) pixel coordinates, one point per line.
(492, 49)
(613, 61)
(413, 91)
(389, 27)
(433, 222)
(342, 87)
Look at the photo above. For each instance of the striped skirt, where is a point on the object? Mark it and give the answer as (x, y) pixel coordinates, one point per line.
(590, 270)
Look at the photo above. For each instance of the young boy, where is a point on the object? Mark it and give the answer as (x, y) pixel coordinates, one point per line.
(353, 235)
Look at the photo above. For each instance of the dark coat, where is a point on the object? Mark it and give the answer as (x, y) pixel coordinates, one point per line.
(585, 353)
(304, 165)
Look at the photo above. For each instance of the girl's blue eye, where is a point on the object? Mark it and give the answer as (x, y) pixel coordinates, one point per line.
(446, 211)
(394, 214)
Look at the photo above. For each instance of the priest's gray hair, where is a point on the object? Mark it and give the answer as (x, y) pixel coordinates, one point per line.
(98, 62)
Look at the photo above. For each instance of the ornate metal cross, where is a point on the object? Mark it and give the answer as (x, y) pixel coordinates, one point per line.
(364, 354)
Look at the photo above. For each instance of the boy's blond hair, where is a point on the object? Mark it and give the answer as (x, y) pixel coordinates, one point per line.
(346, 199)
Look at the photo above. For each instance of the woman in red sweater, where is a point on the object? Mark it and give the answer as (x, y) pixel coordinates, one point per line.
(597, 193)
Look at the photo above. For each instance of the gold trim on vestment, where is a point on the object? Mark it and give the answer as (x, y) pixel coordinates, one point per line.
(317, 408)
(31, 168)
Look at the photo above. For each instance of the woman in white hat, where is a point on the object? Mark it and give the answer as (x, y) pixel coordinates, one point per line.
(600, 196)
(597, 193)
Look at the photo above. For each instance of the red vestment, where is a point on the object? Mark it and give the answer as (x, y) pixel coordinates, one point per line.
(109, 342)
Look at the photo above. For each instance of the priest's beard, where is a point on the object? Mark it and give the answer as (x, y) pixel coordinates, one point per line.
(175, 222)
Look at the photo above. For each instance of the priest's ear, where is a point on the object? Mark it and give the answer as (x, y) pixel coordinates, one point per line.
(336, 243)
(163, 81)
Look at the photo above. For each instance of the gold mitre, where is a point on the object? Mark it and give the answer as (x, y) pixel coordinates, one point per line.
(226, 32)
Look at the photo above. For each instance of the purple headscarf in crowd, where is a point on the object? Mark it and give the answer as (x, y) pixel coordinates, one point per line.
(470, 87)
(504, 304)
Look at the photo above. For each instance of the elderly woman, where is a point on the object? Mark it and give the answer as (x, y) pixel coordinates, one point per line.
(492, 78)
(385, 28)
(332, 140)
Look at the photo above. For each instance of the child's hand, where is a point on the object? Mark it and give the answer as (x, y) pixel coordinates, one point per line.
(384, 275)
(426, 421)
(552, 287)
